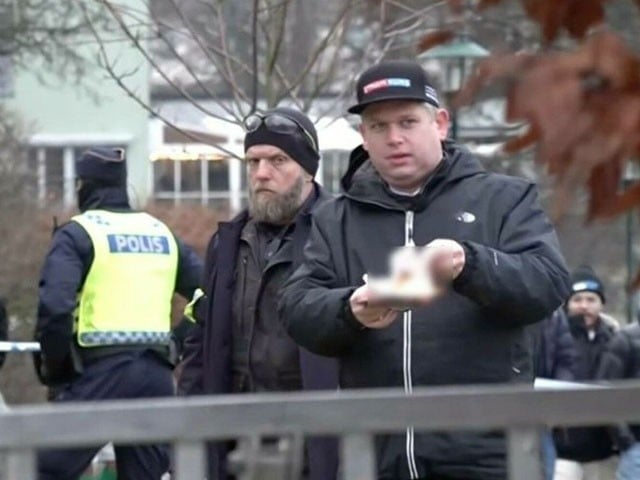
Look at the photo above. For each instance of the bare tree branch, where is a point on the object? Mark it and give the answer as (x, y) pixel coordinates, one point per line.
(118, 78)
(224, 67)
(143, 50)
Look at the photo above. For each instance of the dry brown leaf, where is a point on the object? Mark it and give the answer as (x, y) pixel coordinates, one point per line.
(621, 203)
(583, 15)
(550, 14)
(518, 143)
(614, 60)
(603, 186)
(635, 284)
(584, 107)
(489, 70)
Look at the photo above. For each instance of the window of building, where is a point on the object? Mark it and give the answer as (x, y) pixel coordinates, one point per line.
(218, 174)
(334, 166)
(185, 177)
(191, 176)
(54, 168)
(6, 76)
(164, 176)
(8, 21)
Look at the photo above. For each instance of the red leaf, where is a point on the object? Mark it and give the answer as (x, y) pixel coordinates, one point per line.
(583, 15)
(614, 60)
(550, 14)
(603, 185)
(621, 203)
(518, 143)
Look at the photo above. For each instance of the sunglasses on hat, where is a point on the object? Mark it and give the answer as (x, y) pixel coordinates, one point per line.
(277, 123)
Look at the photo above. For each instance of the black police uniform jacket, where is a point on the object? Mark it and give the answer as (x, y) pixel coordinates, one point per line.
(514, 276)
(64, 271)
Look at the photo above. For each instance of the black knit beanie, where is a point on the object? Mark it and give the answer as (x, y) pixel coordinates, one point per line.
(297, 146)
(584, 279)
(104, 166)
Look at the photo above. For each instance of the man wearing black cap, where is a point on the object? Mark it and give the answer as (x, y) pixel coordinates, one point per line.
(239, 344)
(104, 310)
(586, 453)
(484, 239)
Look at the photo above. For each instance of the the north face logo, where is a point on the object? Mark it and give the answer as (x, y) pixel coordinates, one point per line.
(466, 217)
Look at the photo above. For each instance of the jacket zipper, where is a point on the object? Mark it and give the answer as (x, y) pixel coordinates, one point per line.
(406, 321)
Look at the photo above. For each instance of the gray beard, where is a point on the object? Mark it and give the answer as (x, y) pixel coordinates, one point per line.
(277, 210)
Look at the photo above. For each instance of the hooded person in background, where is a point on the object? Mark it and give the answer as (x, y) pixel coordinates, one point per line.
(586, 453)
(621, 360)
(556, 359)
(239, 344)
(492, 252)
(104, 310)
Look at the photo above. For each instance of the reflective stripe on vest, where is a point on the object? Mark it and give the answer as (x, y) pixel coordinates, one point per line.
(126, 297)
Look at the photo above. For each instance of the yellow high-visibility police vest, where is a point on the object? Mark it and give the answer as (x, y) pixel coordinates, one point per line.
(126, 297)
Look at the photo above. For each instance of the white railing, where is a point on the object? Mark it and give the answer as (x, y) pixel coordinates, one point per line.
(354, 416)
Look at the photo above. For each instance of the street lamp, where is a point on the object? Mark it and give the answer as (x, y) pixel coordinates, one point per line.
(456, 57)
(631, 176)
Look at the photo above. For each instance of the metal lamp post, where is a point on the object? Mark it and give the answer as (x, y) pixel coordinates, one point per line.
(457, 58)
(631, 176)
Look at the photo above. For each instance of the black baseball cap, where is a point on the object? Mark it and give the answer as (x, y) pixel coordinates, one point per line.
(394, 80)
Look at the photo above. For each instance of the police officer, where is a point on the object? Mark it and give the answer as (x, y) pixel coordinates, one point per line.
(104, 310)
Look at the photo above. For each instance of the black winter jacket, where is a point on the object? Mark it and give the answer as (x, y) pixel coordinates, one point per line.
(208, 354)
(586, 444)
(621, 360)
(556, 353)
(514, 276)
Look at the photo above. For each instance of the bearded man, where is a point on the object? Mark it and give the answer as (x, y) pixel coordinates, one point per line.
(239, 344)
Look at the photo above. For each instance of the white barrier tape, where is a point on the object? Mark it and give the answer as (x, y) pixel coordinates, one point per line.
(19, 346)
(549, 384)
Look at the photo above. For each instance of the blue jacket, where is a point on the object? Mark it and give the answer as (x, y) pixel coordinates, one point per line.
(208, 350)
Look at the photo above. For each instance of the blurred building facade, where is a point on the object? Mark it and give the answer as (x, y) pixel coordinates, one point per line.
(65, 115)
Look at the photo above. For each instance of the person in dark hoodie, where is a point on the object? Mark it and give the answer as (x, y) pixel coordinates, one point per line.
(492, 250)
(556, 358)
(621, 360)
(239, 344)
(104, 308)
(586, 453)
